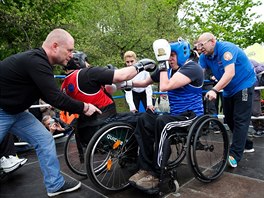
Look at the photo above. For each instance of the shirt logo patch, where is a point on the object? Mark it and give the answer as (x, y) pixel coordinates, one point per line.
(71, 87)
(228, 56)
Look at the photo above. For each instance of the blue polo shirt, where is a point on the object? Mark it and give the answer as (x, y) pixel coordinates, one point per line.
(226, 53)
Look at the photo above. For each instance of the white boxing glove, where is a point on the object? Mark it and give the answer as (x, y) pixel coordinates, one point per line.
(162, 52)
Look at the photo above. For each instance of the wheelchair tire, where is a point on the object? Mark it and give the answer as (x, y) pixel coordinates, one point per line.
(74, 154)
(208, 149)
(111, 156)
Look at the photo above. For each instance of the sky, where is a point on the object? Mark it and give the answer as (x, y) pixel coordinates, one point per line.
(259, 10)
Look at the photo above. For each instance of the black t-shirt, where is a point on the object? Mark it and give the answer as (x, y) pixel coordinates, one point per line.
(28, 76)
(191, 69)
(93, 78)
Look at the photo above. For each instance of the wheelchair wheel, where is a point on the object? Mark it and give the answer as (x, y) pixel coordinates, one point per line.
(74, 154)
(208, 149)
(111, 156)
(178, 150)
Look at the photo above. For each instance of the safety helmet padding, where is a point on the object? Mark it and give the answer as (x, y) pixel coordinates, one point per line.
(77, 61)
(182, 49)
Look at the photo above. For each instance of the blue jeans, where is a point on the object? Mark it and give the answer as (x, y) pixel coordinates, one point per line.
(27, 127)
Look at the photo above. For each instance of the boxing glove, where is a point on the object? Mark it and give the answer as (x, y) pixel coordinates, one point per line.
(126, 85)
(145, 64)
(162, 51)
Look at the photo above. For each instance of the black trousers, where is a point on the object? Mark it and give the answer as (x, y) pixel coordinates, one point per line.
(237, 111)
(137, 97)
(148, 134)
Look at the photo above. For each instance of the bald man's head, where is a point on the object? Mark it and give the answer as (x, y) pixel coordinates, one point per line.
(206, 36)
(206, 43)
(57, 35)
(59, 46)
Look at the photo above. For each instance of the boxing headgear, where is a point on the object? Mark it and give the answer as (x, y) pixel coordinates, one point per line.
(77, 61)
(182, 49)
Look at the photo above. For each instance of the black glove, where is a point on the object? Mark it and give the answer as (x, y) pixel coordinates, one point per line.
(145, 64)
(163, 65)
(126, 85)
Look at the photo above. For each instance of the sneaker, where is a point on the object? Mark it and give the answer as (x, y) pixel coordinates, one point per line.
(68, 186)
(252, 150)
(148, 182)
(15, 159)
(8, 165)
(258, 134)
(139, 175)
(232, 161)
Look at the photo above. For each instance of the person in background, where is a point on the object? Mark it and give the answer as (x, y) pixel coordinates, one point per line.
(236, 77)
(258, 124)
(9, 161)
(55, 126)
(46, 110)
(25, 78)
(138, 94)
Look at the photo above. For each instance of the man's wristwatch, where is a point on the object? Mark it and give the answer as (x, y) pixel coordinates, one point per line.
(214, 90)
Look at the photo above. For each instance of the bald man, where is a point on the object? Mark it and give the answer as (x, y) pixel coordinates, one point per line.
(25, 78)
(236, 77)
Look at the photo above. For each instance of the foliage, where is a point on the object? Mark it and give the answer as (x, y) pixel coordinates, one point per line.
(24, 23)
(228, 20)
(109, 28)
(106, 29)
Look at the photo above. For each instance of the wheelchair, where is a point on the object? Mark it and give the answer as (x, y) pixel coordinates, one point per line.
(110, 158)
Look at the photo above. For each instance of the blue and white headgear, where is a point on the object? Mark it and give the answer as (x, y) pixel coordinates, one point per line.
(183, 50)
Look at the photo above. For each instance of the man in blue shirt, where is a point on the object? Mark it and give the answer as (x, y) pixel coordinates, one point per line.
(236, 77)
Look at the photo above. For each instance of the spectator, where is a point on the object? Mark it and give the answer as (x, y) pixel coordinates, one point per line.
(138, 94)
(235, 75)
(55, 126)
(9, 160)
(25, 78)
(183, 82)
(46, 110)
(258, 124)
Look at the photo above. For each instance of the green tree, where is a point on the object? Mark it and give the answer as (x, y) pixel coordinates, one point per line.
(229, 20)
(24, 24)
(106, 29)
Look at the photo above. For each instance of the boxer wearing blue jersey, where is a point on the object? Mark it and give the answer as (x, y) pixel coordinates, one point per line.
(235, 75)
(183, 81)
